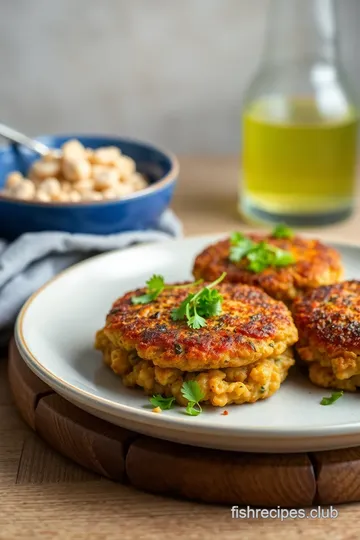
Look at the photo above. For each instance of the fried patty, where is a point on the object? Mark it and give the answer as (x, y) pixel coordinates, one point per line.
(220, 387)
(316, 265)
(324, 377)
(251, 327)
(328, 321)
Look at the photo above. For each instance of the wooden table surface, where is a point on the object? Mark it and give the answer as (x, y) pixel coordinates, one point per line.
(43, 495)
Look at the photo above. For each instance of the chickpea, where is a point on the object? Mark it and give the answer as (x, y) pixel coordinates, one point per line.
(138, 181)
(123, 189)
(74, 196)
(75, 173)
(62, 196)
(51, 186)
(73, 150)
(92, 196)
(66, 186)
(83, 186)
(76, 170)
(110, 194)
(45, 169)
(104, 177)
(25, 190)
(126, 166)
(106, 156)
(13, 180)
(51, 155)
(42, 196)
(90, 155)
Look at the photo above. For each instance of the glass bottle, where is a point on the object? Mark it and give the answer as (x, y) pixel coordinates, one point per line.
(299, 122)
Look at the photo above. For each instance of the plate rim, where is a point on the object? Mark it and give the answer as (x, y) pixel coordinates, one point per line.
(109, 406)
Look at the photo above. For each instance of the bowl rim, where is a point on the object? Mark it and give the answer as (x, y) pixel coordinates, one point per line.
(159, 185)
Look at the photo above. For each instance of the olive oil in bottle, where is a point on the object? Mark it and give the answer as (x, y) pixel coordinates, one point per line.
(297, 162)
(299, 122)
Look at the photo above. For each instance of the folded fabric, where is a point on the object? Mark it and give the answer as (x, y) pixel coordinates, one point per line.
(34, 258)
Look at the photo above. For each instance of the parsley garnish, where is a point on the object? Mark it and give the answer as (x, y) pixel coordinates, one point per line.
(155, 286)
(282, 231)
(330, 400)
(240, 246)
(192, 392)
(197, 307)
(260, 255)
(163, 402)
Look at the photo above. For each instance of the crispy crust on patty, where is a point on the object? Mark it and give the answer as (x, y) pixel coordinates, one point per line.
(251, 327)
(245, 384)
(316, 265)
(328, 320)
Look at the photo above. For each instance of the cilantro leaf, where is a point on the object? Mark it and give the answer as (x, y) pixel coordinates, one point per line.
(330, 400)
(193, 409)
(156, 283)
(163, 402)
(197, 307)
(259, 258)
(209, 303)
(191, 391)
(259, 255)
(240, 245)
(143, 299)
(177, 314)
(196, 321)
(282, 231)
(155, 286)
(283, 258)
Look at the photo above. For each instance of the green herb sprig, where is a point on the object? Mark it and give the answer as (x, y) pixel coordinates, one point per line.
(260, 255)
(334, 397)
(282, 231)
(163, 402)
(191, 391)
(202, 305)
(155, 286)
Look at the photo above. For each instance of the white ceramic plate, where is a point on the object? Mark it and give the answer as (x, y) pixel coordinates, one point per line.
(55, 333)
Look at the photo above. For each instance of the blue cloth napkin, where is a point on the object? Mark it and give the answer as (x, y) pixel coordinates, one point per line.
(34, 258)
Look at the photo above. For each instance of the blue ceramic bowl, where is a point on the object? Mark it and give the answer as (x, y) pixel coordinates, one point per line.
(137, 211)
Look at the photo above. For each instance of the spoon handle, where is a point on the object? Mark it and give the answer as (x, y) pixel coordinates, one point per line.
(20, 138)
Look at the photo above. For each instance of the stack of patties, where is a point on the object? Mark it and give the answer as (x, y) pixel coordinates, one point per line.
(236, 343)
(328, 320)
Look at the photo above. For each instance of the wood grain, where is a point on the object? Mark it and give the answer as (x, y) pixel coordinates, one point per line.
(27, 387)
(39, 466)
(91, 442)
(338, 475)
(221, 477)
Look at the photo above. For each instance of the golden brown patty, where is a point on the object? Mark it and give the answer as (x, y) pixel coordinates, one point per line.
(245, 384)
(316, 264)
(328, 320)
(324, 377)
(252, 326)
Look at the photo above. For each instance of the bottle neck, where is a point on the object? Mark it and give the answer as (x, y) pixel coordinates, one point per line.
(301, 31)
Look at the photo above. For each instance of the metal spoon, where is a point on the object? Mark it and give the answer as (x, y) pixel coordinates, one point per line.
(20, 138)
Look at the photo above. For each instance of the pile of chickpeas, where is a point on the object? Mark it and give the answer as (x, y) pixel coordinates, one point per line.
(77, 174)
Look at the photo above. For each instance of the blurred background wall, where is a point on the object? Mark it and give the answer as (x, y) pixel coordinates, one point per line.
(172, 71)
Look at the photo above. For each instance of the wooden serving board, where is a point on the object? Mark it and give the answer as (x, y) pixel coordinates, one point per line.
(157, 466)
